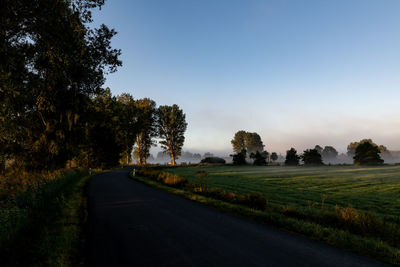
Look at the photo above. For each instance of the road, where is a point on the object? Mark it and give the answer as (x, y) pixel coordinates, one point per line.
(132, 224)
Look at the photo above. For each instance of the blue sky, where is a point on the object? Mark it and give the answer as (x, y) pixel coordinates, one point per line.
(299, 73)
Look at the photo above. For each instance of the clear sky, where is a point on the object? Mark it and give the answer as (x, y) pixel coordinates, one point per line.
(299, 73)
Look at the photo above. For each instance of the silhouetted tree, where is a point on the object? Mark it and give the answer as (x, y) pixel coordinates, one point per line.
(367, 154)
(319, 149)
(292, 159)
(239, 158)
(274, 156)
(259, 158)
(172, 125)
(311, 157)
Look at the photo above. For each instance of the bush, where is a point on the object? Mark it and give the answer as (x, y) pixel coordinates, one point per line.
(213, 160)
(254, 201)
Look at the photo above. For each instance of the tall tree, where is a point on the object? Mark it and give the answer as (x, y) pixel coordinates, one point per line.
(127, 125)
(146, 122)
(51, 63)
(251, 142)
(239, 141)
(292, 159)
(172, 125)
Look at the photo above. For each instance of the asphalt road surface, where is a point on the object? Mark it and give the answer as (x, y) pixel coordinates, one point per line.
(132, 224)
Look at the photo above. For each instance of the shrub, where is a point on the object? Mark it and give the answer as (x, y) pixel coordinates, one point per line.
(253, 200)
(213, 160)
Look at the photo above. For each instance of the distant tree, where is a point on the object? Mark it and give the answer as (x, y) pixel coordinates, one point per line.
(147, 129)
(239, 141)
(171, 127)
(259, 158)
(251, 142)
(318, 148)
(196, 156)
(150, 158)
(367, 154)
(329, 153)
(274, 156)
(351, 148)
(239, 158)
(311, 157)
(292, 158)
(162, 156)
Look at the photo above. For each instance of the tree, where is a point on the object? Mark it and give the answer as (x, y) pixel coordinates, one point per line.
(146, 123)
(238, 141)
(274, 156)
(329, 153)
(259, 158)
(292, 159)
(251, 142)
(101, 146)
(367, 154)
(351, 148)
(311, 157)
(127, 125)
(172, 125)
(319, 149)
(51, 64)
(239, 158)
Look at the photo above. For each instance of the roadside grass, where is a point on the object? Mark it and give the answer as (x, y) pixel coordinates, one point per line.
(243, 191)
(43, 220)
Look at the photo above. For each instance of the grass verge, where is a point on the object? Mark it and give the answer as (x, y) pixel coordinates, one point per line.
(45, 224)
(369, 246)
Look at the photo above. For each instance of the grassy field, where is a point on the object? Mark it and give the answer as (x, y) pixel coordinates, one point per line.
(375, 189)
(354, 208)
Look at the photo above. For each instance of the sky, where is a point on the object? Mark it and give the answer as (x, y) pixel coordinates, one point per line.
(299, 73)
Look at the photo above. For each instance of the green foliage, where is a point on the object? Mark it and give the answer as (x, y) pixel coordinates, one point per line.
(171, 123)
(239, 158)
(312, 157)
(52, 62)
(251, 142)
(367, 154)
(292, 159)
(146, 123)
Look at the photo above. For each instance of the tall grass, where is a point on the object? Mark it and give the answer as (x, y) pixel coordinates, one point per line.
(40, 217)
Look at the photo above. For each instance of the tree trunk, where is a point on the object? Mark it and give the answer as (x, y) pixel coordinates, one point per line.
(173, 162)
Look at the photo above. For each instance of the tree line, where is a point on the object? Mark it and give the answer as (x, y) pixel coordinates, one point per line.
(53, 109)
(247, 144)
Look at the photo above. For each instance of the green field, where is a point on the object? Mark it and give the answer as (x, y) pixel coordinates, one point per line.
(375, 189)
